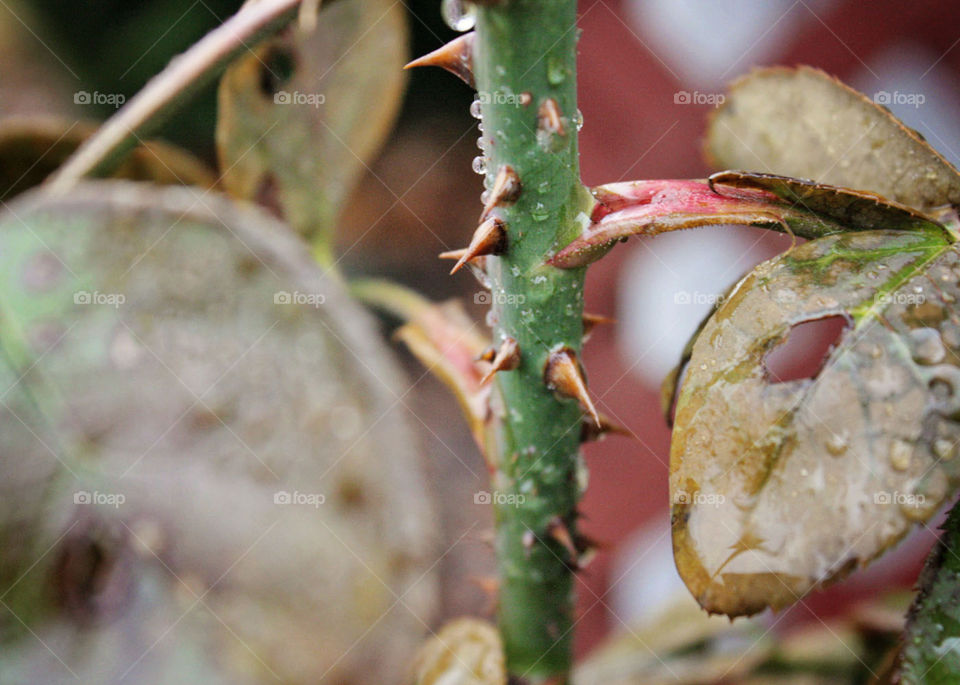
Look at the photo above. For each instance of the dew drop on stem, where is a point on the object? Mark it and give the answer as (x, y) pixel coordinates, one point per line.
(458, 15)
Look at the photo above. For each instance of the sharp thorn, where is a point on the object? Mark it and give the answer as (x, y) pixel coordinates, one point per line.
(490, 238)
(506, 189)
(549, 118)
(558, 530)
(564, 375)
(506, 359)
(456, 57)
(590, 431)
(591, 321)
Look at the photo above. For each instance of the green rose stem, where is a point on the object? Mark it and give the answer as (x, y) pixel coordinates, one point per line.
(522, 60)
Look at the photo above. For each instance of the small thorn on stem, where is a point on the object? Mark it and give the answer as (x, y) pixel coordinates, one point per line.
(456, 57)
(591, 321)
(564, 375)
(590, 431)
(506, 189)
(549, 118)
(507, 358)
(490, 238)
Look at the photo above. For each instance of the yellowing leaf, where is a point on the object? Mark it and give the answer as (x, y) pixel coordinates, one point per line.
(301, 117)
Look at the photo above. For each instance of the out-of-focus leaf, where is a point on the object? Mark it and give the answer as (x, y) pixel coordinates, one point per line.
(187, 355)
(301, 116)
(804, 208)
(466, 651)
(680, 645)
(31, 148)
(781, 487)
(446, 341)
(930, 654)
(804, 123)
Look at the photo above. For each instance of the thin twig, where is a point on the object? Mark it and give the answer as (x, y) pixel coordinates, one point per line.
(172, 87)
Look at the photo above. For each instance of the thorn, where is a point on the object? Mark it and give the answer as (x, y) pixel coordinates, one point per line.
(564, 375)
(488, 355)
(479, 262)
(590, 431)
(489, 238)
(549, 119)
(506, 359)
(558, 530)
(591, 321)
(506, 189)
(456, 57)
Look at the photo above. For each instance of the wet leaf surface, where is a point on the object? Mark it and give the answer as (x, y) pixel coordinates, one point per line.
(804, 123)
(781, 487)
(301, 117)
(930, 653)
(186, 355)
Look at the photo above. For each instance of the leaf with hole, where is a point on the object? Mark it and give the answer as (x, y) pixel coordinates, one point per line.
(302, 117)
(782, 486)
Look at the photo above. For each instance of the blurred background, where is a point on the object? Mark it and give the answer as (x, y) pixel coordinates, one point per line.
(651, 71)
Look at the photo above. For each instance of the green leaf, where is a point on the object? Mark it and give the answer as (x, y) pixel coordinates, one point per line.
(782, 487)
(170, 348)
(301, 117)
(803, 123)
(930, 654)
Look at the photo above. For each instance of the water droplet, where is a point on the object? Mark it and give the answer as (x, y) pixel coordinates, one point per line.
(927, 346)
(458, 15)
(556, 72)
(943, 448)
(484, 197)
(482, 143)
(475, 109)
(838, 443)
(578, 120)
(480, 164)
(539, 213)
(543, 187)
(900, 454)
